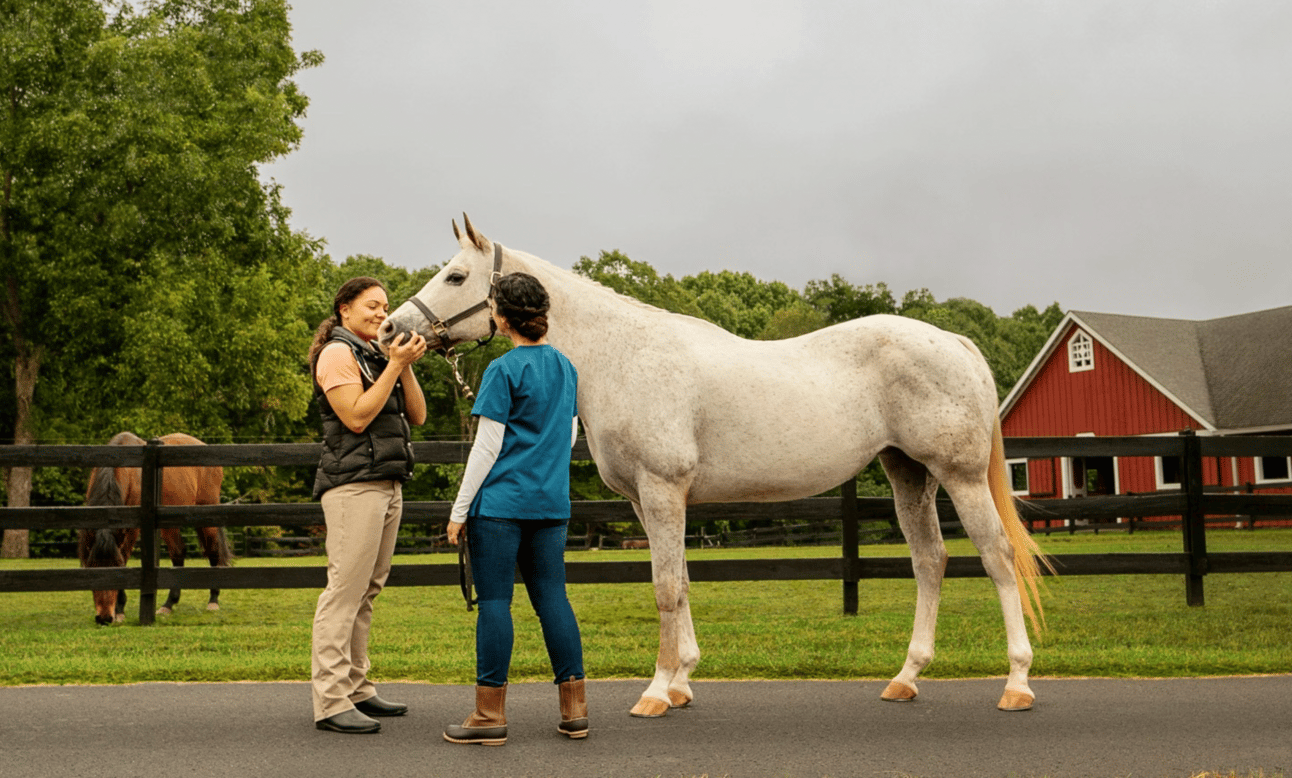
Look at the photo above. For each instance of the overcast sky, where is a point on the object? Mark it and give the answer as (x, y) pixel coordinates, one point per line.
(1115, 156)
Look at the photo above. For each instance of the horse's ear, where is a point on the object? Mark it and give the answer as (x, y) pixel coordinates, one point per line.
(463, 240)
(473, 238)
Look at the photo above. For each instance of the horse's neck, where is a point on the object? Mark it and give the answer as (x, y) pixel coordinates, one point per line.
(586, 319)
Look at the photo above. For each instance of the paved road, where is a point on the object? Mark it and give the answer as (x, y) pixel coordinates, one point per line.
(1096, 728)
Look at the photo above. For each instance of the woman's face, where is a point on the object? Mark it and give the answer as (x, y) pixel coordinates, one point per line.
(364, 314)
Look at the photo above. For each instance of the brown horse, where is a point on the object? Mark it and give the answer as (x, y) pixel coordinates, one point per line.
(123, 486)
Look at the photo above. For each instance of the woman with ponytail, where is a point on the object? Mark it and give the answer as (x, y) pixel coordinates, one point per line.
(514, 507)
(367, 401)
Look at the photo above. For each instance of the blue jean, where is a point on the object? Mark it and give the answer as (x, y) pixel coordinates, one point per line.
(536, 547)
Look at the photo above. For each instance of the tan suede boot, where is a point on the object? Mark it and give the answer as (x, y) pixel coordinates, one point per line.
(487, 724)
(574, 709)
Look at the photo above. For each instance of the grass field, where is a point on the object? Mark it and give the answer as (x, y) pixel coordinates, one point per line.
(1097, 626)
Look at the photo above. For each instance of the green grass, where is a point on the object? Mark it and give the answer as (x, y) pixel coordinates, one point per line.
(1097, 626)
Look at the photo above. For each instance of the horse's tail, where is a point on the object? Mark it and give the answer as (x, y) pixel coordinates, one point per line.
(104, 489)
(224, 555)
(1026, 552)
(102, 550)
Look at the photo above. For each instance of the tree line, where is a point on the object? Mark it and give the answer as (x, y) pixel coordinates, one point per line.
(152, 281)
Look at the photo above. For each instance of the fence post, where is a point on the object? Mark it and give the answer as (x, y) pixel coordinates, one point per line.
(1195, 525)
(851, 540)
(149, 500)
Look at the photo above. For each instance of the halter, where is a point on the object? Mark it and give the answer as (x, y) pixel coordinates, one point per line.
(441, 326)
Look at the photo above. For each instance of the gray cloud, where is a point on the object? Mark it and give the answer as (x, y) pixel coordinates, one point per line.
(1122, 157)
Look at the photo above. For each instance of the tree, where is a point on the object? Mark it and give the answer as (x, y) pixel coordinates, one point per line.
(798, 319)
(639, 281)
(840, 301)
(739, 302)
(150, 278)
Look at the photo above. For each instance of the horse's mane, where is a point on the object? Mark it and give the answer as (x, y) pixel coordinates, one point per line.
(598, 286)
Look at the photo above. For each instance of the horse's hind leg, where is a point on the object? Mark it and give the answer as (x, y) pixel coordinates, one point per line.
(174, 549)
(914, 490)
(663, 515)
(215, 548)
(126, 547)
(982, 523)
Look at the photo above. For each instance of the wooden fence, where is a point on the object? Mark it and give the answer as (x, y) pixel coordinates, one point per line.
(1192, 503)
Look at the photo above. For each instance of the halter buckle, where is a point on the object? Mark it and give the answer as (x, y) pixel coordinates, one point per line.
(441, 331)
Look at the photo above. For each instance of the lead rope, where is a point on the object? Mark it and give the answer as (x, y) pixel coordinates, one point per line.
(452, 357)
(465, 579)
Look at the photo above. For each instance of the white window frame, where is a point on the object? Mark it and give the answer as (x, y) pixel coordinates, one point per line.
(1027, 475)
(1081, 352)
(1258, 466)
(1162, 485)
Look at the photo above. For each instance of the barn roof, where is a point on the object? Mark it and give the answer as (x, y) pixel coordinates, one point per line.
(1232, 373)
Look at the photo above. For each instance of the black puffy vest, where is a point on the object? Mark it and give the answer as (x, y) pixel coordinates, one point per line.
(383, 451)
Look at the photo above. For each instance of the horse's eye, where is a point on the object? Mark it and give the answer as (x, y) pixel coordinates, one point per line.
(455, 278)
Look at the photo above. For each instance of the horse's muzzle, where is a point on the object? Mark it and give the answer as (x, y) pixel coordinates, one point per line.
(390, 332)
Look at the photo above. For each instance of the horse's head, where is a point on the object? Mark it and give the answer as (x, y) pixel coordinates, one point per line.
(105, 607)
(453, 307)
(104, 552)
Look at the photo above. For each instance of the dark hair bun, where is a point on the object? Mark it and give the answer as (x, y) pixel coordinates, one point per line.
(523, 301)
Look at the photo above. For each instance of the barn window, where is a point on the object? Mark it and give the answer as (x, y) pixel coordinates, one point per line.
(1081, 353)
(1018, 476)
(1273, 469)
(1168, 472)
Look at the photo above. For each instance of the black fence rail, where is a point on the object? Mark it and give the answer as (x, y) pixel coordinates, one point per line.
(1192, 503)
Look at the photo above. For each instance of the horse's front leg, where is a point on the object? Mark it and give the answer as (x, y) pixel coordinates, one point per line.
(663, 515)
(175, 550)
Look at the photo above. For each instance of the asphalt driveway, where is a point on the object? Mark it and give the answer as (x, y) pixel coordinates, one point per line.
(1099, 728)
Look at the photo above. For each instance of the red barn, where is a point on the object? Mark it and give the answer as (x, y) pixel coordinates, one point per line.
(1106, 374)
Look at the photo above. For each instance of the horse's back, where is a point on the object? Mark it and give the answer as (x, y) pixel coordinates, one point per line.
(190, 485)
(776, 420)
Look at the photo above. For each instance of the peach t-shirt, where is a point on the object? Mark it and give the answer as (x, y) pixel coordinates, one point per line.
(337, 367)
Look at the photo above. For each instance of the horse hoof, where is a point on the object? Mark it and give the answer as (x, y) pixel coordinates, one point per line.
(120, 618)
(677, 699)
(163, 611)
(213, 606)
(1014, 701)
(649, 708)
(896, 691)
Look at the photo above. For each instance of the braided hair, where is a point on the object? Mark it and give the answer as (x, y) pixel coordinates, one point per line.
(523, 302)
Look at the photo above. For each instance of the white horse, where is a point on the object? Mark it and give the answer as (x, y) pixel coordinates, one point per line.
(678, 411)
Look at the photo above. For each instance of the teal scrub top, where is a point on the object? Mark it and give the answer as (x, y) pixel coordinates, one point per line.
(533, 391)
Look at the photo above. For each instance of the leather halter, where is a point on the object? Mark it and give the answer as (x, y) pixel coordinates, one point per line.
(441, 327)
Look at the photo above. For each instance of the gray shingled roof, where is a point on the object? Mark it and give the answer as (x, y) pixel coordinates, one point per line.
(1235, 372)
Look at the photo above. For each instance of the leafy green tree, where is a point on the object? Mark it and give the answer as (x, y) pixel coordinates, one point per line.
(841, 301)
(739, 302)
(797, 319)
(639, 281)
(150, 277)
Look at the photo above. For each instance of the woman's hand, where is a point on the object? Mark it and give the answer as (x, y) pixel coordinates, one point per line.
(455, 532)
(410, 349)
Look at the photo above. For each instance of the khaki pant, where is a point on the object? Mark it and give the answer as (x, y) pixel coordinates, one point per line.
(362, 522)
